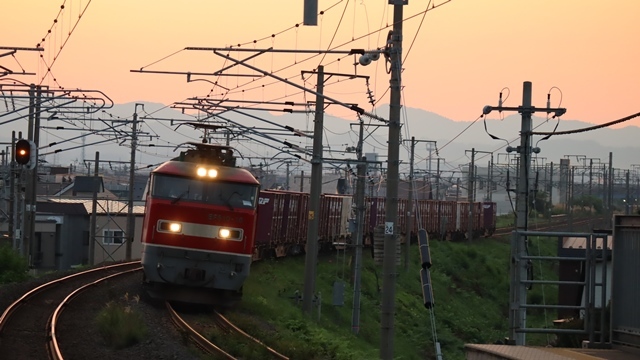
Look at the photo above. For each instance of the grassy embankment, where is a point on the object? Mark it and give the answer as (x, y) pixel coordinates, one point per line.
(471, 289)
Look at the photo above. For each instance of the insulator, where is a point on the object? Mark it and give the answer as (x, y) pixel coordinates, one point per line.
(427, 289)
(425, 253)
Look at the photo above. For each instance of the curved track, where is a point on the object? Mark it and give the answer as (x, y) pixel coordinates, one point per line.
(34, 314)
(207, 346)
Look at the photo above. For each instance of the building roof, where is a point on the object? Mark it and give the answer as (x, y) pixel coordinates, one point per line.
(55, 170)
(61, 208)
(49, 188)
(86, 184)
(121, 189)
(104, 206)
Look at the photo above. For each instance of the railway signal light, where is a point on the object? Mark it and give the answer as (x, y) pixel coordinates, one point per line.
(26, 153)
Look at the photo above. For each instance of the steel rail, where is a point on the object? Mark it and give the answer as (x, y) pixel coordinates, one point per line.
(16, 304)
(52, 342)
(229, 325)
(198, 339)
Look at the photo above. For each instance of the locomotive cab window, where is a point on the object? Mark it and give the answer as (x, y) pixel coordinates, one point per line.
(178, 189)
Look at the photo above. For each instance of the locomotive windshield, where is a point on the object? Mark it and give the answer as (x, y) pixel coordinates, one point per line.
(232, 195)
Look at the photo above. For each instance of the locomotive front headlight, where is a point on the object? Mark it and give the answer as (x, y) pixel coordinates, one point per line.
(168, 226)
(224, 233)
(213, 173)
(201, 171)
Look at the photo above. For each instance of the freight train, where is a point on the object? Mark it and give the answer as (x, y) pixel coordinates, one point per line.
(282, 220)
(206, 221)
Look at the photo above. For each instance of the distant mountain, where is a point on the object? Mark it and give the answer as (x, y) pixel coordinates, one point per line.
(453, 137)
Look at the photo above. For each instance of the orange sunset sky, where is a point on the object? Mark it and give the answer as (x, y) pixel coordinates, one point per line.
(464, 53)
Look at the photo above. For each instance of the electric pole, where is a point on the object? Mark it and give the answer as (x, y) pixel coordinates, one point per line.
(438, 180)
(287, 181)
(550, 189)
(29, 214)
(311, 256)
(302, 176)
(471, 194)
(131, 225)
(410, 212)
(490, 182)
(519, 264)
(361, 173)
(389, 264)
(94, 210)
(627, 208)
(360, 213)
(611, 189)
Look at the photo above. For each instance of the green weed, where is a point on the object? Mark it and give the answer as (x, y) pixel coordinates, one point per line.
(120, 326)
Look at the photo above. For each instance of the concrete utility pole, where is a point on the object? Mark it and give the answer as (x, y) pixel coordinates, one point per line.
(33, 183)
(550, 189)
(570, 189)
(94, 209)
(301, 177)
(131, 221)
(29, 190)
(627, 209)
(360, 212)
(410, 210)
(13, 209)
(471, 194)
(30, 176)
(361, 173)
(438, 179)
(389, 263)
(490, 182)
(287, 181)
(605, 188)
(590, 176)
(519, 265)
(611, 189)
(314, 199)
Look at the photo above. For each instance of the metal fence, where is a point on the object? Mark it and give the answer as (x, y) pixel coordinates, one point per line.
(595, 250)
(625, 292)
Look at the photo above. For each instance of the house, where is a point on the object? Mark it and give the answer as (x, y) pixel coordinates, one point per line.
(60, 236)
(83, 186)
(62, 225)
(111, 226)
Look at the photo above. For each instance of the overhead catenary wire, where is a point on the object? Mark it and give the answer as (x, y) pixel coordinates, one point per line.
(336, 31)
(590, 128)
(335, 47)
(49, 66)
(417, 32)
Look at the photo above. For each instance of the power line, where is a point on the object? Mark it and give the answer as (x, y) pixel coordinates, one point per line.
(590, 128)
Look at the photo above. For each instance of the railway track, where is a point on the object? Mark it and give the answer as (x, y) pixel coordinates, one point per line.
(544, 227)
(207, 346)
(34, 315)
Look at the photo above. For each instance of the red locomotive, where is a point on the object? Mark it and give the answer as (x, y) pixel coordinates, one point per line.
(199, 227)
